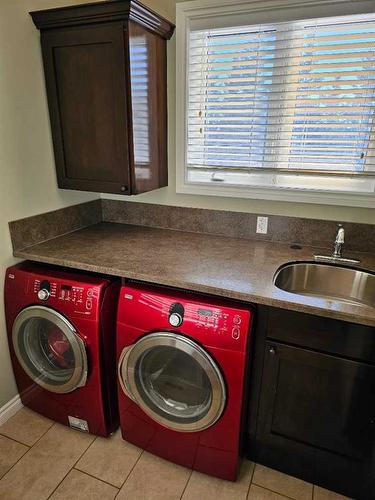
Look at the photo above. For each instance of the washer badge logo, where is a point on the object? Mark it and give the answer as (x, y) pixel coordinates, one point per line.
(78, 423)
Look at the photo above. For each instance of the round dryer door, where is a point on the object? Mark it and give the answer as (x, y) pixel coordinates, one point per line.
(174, 381)
(49, 350)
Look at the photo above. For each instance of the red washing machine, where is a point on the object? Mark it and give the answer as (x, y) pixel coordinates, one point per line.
(61, 333)
(181, 368)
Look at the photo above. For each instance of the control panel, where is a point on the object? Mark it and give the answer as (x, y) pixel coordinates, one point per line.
(219, 321)
(62, 291)
(70, 293)
(44, 289)
(212, 322)
(72, 296)
(75, 295)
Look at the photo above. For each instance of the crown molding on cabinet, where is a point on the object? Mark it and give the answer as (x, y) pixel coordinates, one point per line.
(100, 12)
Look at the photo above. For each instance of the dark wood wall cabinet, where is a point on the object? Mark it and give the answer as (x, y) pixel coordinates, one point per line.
(312, 409)
(105, 67)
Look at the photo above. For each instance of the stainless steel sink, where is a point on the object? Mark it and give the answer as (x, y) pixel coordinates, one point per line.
(327, 281)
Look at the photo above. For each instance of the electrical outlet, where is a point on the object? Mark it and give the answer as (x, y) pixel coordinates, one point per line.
(262, 225)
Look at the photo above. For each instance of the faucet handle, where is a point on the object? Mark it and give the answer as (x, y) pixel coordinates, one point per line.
(340, 236)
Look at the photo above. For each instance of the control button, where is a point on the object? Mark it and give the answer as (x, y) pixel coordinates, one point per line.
(88, 304)
(237, 319)
(236, 333)
(175, 319)
(176, 314)
(43, 294)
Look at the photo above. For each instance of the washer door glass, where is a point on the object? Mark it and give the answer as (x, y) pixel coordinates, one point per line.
(49, 349)
(174, 381)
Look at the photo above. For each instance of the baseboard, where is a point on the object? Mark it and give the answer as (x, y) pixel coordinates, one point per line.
(10, 408)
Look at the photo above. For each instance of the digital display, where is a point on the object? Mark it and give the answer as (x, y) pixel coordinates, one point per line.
(66, 287)
(205, 312)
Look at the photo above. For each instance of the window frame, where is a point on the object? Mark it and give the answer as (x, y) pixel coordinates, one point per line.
(206, 10)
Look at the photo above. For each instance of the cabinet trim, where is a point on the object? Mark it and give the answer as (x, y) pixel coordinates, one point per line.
(100, 12)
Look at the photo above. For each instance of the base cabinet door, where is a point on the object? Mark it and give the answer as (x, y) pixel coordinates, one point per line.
(317, 418)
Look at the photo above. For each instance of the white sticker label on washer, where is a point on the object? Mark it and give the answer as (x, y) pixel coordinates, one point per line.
(78, 423)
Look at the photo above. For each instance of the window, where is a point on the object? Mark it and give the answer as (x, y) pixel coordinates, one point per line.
(285, 106)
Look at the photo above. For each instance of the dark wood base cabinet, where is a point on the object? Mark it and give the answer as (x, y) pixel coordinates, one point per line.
(105, 67)
(312, 407)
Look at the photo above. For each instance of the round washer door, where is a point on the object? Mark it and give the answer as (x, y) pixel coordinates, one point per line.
(49, 350)
(174, 381)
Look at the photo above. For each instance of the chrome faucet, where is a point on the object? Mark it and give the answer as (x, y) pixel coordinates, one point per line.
(336, 255)
(339, 242)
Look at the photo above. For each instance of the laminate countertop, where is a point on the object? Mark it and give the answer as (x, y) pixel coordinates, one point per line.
(229, 267)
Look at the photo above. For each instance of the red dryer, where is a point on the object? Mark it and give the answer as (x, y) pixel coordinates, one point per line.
(181, 368)
(61, 333)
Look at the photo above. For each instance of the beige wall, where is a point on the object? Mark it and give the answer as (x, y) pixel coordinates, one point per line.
(168, 196)
(27, 178)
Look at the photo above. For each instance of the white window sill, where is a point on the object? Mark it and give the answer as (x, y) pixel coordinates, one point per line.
(279, 194)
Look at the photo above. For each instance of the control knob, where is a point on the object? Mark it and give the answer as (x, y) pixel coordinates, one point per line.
(176, 314)
(175, 319)
(43, 294)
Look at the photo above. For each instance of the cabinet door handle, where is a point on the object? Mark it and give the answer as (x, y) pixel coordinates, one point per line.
(272, 350)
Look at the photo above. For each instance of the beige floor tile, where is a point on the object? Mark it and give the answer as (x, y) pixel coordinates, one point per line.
(110, 459)
(154, 479)
(259, 493)
(323, 494)
(201, 486)
(41, 469)
(10, 452)
(80, 486)
(282, 483)
(26, 427)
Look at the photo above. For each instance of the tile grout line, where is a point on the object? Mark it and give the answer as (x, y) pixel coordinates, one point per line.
(16, 462)
(131, 470)
(39, 438)
(16, 441)
(282, 494)
(27, 451)
(72, 467)
(186, 485)
(273, 491)
(93, 477)
(251, 480)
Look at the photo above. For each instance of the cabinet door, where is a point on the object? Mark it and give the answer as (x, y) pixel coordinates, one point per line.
(315, 409)
(86, 87)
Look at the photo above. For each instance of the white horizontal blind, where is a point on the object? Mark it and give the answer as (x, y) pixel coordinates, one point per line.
(296, 96)
(139, 78)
